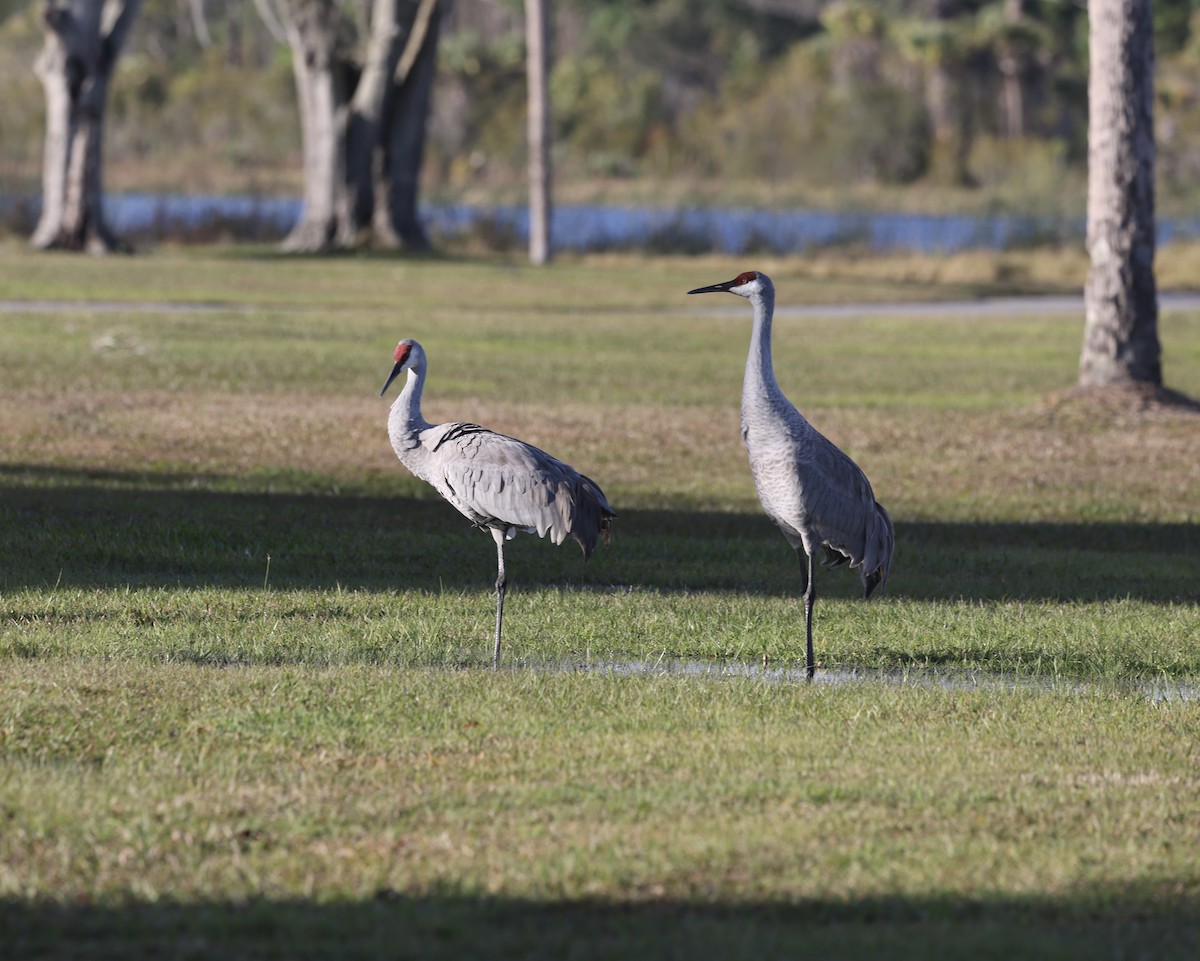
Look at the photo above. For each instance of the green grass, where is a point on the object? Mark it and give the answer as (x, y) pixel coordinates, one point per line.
(246, 707)
(303, 811)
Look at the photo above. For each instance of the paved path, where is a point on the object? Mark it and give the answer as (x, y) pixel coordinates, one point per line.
(990, 306)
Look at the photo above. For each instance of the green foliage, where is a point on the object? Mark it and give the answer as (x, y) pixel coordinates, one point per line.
(875, 133)
(1176, 123)
(247, 116)
(21, 123)
(609, 121)
(682, 37)
(809, 118)
(781, 103)
(485, 80)
(1175, 24)
(10, 8)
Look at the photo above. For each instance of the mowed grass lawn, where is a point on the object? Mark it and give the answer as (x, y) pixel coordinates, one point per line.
(246, 708)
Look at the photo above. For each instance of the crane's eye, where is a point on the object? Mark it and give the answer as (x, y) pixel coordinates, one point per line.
(745, 278)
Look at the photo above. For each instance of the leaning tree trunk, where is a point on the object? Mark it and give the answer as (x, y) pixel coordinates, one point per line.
(1120, 341)
(362, 122)
(83, 40)
(402, 137)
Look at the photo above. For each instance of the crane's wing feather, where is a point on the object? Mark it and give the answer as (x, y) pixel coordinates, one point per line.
(842, 509)
(499, 481)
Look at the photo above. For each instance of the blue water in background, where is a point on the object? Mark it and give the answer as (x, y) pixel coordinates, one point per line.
(659, 229)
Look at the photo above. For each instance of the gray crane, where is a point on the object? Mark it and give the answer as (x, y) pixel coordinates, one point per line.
(499, 483)
(815, 493)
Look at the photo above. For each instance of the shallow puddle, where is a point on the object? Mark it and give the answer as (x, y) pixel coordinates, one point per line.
(952, 679)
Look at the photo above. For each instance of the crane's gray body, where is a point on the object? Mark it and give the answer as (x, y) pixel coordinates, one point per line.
(815, 493)
(499, 483)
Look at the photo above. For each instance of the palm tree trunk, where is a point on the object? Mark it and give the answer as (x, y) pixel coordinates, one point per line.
(1120, 343)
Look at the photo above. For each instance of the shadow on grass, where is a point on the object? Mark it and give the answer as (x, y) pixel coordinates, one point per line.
(1116, 923)
(89, 529)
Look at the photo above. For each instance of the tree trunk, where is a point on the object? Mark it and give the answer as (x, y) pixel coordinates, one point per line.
(83, 40)
(537, 66)
(1120, 341)
(402, 139)
(311, 34)
(1009, 61)
(945, 95)
(362, 122)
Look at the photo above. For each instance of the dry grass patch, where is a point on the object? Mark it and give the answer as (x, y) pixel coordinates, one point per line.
(1065, 457)
(194, 432)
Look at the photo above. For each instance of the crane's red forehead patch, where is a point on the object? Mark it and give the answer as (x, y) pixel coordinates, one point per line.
(402, 351)
(745, 278)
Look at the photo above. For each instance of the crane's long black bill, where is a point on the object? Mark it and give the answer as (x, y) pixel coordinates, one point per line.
(714, 288)
(391, 377)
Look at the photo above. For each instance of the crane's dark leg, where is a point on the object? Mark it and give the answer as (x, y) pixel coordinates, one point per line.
(807, 572)
(501, 583)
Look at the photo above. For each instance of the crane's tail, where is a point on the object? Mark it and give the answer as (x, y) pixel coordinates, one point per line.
(877, 558)
(834, 558)
(592, 518)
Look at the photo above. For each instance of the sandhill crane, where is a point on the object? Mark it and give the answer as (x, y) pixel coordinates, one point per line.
(815, 493)
(499, 483)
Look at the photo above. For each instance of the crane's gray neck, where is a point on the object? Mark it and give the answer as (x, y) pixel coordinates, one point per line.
(760, 372)
(405, 422)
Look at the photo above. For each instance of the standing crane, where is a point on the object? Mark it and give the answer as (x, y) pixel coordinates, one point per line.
(499, 483)
(815, 493)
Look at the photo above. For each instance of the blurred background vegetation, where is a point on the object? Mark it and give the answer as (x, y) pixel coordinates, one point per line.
(938, 105)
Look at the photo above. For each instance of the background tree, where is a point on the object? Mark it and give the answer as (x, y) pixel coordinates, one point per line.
(696, 101)
(941, 39)
(83, 39)
(537, 61)
(363, 81)
(1120, 341)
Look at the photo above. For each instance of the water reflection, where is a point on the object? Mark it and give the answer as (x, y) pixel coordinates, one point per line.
(942, 678)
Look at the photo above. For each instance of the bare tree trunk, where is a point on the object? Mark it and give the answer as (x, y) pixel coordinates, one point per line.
(271, 19)
(402, 139)
(83, 40)
(1009, 61)
(362, 120)
(1120, 341)
(536, 67)
(311, 34)
(200, 23)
